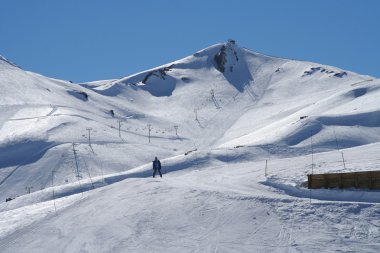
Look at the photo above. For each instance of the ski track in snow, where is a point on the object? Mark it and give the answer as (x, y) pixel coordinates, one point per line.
(208, 214)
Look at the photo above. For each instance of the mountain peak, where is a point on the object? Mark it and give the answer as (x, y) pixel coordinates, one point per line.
(227, 57)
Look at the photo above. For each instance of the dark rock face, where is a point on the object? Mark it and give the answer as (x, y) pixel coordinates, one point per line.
(8, 199)
(220, 59)
(229, 61)
(316, 69)
(341, 74)
(160, 73)
(79, 94)
(323, 70)
(227, 53)
(186, 79)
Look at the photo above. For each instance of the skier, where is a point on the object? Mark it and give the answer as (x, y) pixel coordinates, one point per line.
(156, 166)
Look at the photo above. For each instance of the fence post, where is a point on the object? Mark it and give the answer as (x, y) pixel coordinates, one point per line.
(370, 180)
(309, 184)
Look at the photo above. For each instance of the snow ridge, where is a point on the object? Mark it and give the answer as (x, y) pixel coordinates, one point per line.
(3, 59)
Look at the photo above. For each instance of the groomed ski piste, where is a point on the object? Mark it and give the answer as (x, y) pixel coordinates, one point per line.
(237, 133)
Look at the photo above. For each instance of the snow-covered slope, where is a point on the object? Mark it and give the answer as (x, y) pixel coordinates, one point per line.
(213, 206)
(214, 118)
(246, 98)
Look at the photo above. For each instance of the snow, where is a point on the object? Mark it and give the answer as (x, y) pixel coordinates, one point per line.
(215, 195)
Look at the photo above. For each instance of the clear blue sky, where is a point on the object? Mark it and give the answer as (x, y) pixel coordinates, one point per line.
(84, 40)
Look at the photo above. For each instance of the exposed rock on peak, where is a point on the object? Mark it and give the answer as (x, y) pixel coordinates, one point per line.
(160, 73)
(227, 57)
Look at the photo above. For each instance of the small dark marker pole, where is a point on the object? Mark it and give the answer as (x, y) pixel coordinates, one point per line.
(344, 162)
(76, 161)
(28, 189)
(337, 146)
(266, 168)
(149, 129)
(89, 135)
(119, 121)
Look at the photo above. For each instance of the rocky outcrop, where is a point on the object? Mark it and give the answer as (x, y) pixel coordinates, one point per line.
(226, 58)
(313, 70)
(160, 73)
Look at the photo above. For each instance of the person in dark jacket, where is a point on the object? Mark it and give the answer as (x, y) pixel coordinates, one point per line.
(156, 167)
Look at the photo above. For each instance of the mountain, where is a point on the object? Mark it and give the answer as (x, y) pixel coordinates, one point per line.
(213, 118)
(228, 81)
